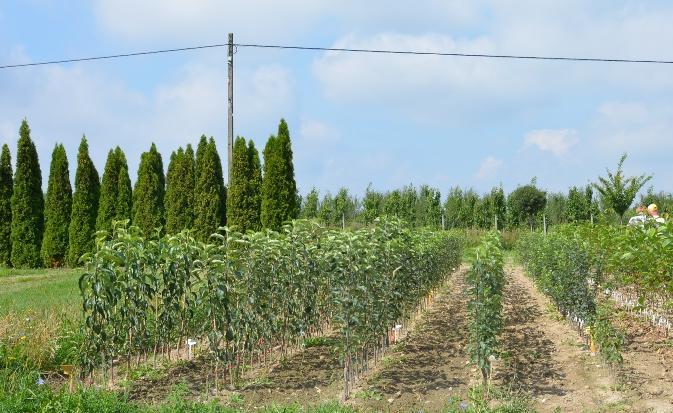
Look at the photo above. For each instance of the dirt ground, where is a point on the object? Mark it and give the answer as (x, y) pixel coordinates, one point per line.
(542, 357)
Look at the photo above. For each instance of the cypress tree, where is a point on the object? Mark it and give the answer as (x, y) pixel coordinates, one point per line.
(6, 189)
(279, 188)
(243, 198)
(27, 204)
(124, 201)
(254, 187)
(84, 206)
(209, 191)
(180, 191)
(108, 192)
(58, 207)
(148, 194)
(236, 198)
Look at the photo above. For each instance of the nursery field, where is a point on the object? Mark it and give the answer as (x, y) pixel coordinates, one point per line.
(552, 327)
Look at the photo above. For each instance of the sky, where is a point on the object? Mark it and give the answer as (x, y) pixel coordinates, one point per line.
(354, 119)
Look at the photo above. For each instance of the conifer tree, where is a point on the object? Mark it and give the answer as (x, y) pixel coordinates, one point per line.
(243, 198)
(124, 200)
(148, 194)
(108, 192)
(58, 207)
(209, 191)
(27, 204)
(84, 206)
(254, 187)
(279, 188)
(6, 189)
(180, 191)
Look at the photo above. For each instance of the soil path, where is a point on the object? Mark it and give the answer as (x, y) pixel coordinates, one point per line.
(546, 358)
(430, 364)
(648, 364)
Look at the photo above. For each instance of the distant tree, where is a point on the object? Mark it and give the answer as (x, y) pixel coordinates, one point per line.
(6, 189)
(279, 188)
(27, 204)
(525, 203)
(578, 206)
(452, 207)
(82, 228)
(148, 194)
(326, 210)
(344, 207)
(309, 208)
(555, 209)
(372, 205)
(483, 212)
(180, 183)
(58, 207)
(499, 205)
(617, 190)
(428, 207)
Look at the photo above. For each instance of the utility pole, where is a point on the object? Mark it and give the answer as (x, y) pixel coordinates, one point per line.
(230, 104)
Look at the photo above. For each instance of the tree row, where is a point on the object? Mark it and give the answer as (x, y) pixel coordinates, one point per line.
(57, 228)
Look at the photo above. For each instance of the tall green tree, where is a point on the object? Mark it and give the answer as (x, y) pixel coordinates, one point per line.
(525, 203)
(279, 188)
(6, 189)
(124, 201)
(209, 193)
(326, 210)
(27, 203)
(180, 191)
(309, 208)
(148, 193)
(344, 208)
(57, 211)
(82, 228)
(428, 207)
(244, 195)
(617, 190)
(372, 205)
(108, 192)
(254, 187)
(499, 203)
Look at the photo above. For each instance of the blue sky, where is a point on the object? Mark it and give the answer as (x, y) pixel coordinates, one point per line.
(355, 119)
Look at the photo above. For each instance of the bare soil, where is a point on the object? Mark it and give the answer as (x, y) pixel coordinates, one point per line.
(543, 357)
(546, 358)
(430, 364)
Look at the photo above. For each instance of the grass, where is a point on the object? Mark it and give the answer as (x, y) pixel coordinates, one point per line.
(39, 291)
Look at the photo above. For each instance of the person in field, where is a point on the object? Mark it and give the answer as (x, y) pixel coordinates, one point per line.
(640, 217)
(653, 210)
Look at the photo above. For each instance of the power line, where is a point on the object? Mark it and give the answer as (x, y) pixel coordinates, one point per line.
(343, 49)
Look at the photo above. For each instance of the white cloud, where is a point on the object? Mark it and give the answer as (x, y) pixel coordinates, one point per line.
(639, 128)
(556, 141)
(488, 168)
(315, 132)
(62, 103)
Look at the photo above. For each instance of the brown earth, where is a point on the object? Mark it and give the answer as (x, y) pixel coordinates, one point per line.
(430, 364)
(543, 357)
(648, 363)
(546, 358)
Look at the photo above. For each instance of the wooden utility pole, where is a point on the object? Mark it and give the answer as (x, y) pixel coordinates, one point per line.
(230, 104)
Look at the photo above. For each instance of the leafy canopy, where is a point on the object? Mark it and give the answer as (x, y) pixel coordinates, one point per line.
(618, 190)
